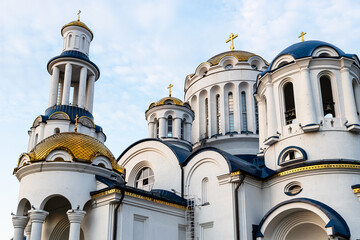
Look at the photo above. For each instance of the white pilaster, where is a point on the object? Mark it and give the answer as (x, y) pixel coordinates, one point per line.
(82, 87)
(349, 98)
(223, 116)
(60, 94)
(162, 127)
(237, 111)
(177, 128)
(75, 218)
(307, 106)
(37, 218)
(54, 86)
(111, 219)
(271, 114)
(28, 231)
(67, 84)
(90, 94)
(187, 131)
(151, 129)
(19, 223)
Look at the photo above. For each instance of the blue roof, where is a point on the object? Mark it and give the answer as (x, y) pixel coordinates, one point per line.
(338, 224)
(75, 54)
(305, 49)
(247, 164)
(181, 154)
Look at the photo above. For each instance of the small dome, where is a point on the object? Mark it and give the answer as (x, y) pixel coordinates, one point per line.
(168, 101)
(240, 56)
(80, 146)
(80, 24)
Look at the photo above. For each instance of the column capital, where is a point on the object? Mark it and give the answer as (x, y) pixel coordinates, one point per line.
(75, 216)
(38, 215)
(19, 221)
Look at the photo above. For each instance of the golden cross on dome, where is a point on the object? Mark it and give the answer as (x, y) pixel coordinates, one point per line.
(302, 34)
(76, 122)
(169, 87)
(231, 38)
(79, 15)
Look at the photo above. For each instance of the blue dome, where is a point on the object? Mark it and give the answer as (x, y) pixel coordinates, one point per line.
(306, 49)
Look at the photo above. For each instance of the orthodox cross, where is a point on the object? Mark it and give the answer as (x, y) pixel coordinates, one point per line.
(169, 87)
(79, 15)
(231, 38)
(76, 122)
(302, 34)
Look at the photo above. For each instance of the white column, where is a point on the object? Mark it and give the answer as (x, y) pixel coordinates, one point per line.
(111, 219)
(90, 94)
(223, 116)
(41, 132)
(151, 129)
(187, 131)
(19, 223)
(67, 84)
(307, 101)
(75, 218)
(82, 87)
(37, 217)
(162, 127)
(76, 95)
(28, 231)
(349, 98)
(54, 86)
(271, 114)
(237, 110)
(61, 88)
(177, 128)
(31, 139)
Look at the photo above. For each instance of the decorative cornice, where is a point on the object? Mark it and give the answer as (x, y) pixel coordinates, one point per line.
(318, 167)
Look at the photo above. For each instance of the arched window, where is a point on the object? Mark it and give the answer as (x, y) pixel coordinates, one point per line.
(83, 43)
(204, 190)
(145, 179)
(256, 116)
(327, 97)
(231, 112)
(291, 155)
(69, 40)
(170, 126)
(218, 117)
(289, 103)
(206, 117)
(182, 128)
(356, 96)
(157, 128)
(243, 112)
(56, 130)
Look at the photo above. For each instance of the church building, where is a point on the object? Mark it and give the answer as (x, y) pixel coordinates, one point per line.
(255, 150)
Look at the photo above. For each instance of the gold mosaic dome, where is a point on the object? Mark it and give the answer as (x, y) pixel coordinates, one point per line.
(240, 56)
(169, 101)
(81, 147)
(80, 24)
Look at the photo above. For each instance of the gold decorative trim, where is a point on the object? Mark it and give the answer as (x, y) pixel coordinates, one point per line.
(68, 117)
(235, 173)
(137, 196)
(317, 167)
(356, 190)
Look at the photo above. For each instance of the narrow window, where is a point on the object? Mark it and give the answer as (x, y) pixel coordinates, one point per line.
(243, 112)
(327, 97)
(356, 96)
(204, 190)
(83, 43)
(218, 117)
(157, 128)
(290, 115)
(206, 117)
(69, 40)
(231, 112)
(182, 128)
(256, 116)
(145, 179)
(170, 126)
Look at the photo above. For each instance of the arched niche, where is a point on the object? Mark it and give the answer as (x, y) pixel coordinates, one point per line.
(24, 206)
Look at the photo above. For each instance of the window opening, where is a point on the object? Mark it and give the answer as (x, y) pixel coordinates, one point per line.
(204, 190)
(256, 116)
(327, 97)
(170, 126)
(206, 117)
(218, 117)
(243, 111)
(231, 112)
(229, 66)
(182, 128)
(290, 114)
(145, 179)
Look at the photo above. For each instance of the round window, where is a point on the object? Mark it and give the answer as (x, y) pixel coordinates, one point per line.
(293, 188)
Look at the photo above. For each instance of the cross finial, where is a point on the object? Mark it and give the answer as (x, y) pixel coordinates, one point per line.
(79, 15)
(231, 38)
(302, 34)
(76, 122)
(169, 87)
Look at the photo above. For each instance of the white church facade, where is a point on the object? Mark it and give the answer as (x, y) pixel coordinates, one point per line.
(255, 151)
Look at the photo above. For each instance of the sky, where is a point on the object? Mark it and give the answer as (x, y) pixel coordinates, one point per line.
(140, 47)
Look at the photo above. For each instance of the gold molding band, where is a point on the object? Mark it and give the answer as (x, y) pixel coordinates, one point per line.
(235, 173)
(356, 190)
(114, 190)
(317, 167)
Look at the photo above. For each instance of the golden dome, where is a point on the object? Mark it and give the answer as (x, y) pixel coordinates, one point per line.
(80, 146)
(240, 56)
(80, 24)
(168, 101)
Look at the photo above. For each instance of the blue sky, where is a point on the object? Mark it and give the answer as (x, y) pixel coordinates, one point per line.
(140, 47)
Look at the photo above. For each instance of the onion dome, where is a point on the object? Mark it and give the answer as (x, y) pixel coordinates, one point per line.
(81, 147)
(169, 101)
(79, 24)
(239, 55)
